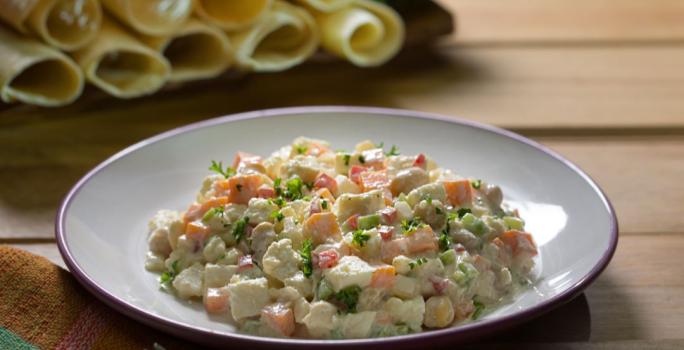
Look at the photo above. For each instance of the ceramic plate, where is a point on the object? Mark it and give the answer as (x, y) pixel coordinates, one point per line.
(102, 223)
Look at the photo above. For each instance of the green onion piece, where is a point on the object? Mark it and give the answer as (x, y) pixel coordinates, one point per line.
(479, 308)
(305, 253)
(349, 297)
(240, 228)
(448, 257)
(513, 223)
(360, 237)
(211, 213)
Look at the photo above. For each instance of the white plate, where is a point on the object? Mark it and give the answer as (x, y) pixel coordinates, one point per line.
(102, 224)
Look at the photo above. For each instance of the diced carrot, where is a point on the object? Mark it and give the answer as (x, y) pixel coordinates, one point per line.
(197, 231)
(383, 277)
(459, 192)
(323, 180)
(352, 222)
(324, 193)
(316, 149)
(216, 300)
(393, 248)
(355, 172)
(243, 188)
(279, 317)
(242, 158)
(420, 162)
(423, 239)
(266, 191)
(519, 242)
(321, 226)
(370, 180)
(193, 213)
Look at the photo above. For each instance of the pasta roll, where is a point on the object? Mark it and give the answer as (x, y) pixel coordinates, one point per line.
(65, 24)
(121, 65)
(232, 14)
(326, 5)
(286, 37)
(151, 17)
(367, 33)
(34, 73)
(196, 51)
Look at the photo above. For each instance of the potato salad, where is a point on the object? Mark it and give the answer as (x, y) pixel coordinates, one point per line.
(313, 242)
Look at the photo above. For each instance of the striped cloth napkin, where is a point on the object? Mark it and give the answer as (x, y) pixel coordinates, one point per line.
(43, 307)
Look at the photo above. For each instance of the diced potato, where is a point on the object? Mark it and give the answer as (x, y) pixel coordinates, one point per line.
(301, 283)
(230, 258)
(280, 260)
(364, 146)
(189, 282)
(154, 262)
(439, 312)
(214, 249)
(169, 223)
(292, 231)
(431, 212)
(259, 210)
(405, 287)
(435, 191)
(404, 211)
(401, 264)
(345, 185)
(285, 295)
(248, 297)
(409, 312)
(216, 276)
(370, 299)
(301, 308)
(304, 167)
(319, 320)
(408, 179)
(262, 237)
(362, 204)
(355, 325)
(349, 271)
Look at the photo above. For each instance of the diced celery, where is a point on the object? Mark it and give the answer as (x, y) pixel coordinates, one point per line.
(474, 224)
(448, 257)
(513, 223)
(465, 273)
(468, 219)
(369, 221)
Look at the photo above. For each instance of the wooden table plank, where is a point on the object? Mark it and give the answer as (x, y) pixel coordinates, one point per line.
(60, 153)
(515, 87)
(492, 21)
(638, 298)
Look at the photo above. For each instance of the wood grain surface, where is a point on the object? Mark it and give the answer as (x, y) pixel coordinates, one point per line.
(599, 81)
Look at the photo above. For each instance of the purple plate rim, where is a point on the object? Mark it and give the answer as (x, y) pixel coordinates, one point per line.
(459, 333)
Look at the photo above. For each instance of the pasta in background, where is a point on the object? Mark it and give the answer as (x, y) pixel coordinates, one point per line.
(151, 17)
(232, 14)
(64, 24)
(34, 73)
(367, 33)
(121, 65)
(195, 51)
(284, 38)
(327, 5)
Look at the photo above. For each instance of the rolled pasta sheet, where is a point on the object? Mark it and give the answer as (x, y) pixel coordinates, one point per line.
(367, 33)
(195, 51)
(151, 17)
(121, 65)
(232, 15)
(287, 36)
(326, 5)
(34, 73)
(65, 24)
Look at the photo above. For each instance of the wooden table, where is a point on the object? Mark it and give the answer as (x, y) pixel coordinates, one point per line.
(601, 82)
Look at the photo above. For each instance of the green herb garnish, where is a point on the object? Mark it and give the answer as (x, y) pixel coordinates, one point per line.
(360, 237)
(461, 212)
(410, 226)
(479, 308)
(213, 212)
(418, 262)
(240, 228)
(444, 240)
(305, 254)
(168, 276)
(324, 204)
(476, 184)
(293, 189)
(347, 158)
(301, 149)
(349, 297)
(394, 151)
(362, 159)
(277, 215)
(218, 168)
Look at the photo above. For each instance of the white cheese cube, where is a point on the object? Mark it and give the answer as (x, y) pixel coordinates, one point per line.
(349, 271)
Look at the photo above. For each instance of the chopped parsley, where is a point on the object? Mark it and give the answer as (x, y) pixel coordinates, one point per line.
(394, 151)
(418, 262)
(360, 237)
(168, 276)
(239, 187)
(218, 168)
(476, 184)
(461, 212)
(293, 189)
(380, 145)
(362, 159)
(324, 204)
(347, 158)
(349, 297)
(276, 186)
(438, 211)
(410, 226)
(479, 308)
(301, 149)
(428, 199)
(444, 240)
(213, 212)
(305, 254)
(277, 215)
(279, 201)
(240, 229)
(309, 185)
